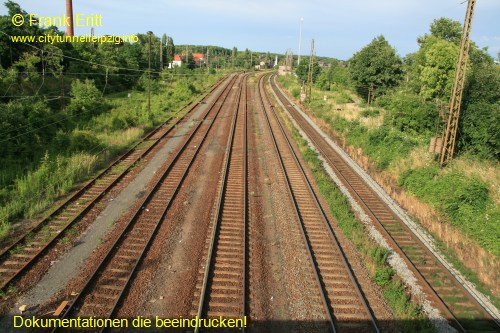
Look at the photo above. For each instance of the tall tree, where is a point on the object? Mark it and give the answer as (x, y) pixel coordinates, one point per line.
(377, 65)
(162, 50)
(234, 53)
(432, 67)
(303, 69)
(437, 68)
(170, 49)
(447, 29)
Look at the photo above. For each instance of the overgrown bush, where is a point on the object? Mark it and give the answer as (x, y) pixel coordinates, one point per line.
(481, 130)
(296, 92)
(86, 100)
(76, 141)
(383, 276)
(370, 113)
(409, 113)
(383, 144)
(39, 188)
(463, 199)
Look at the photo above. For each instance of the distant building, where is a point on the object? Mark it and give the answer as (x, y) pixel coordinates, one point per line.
(262, 65)
(284, 70)
(198, 58)
(324, 64)
(177, 62)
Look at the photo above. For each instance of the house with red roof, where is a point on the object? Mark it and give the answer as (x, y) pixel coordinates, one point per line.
(177, 61)
(198, 58)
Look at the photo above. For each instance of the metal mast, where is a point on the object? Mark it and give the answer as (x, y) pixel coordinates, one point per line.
(450, 134)
(310, 72)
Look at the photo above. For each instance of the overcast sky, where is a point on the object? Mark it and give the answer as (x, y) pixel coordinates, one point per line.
(339, 27)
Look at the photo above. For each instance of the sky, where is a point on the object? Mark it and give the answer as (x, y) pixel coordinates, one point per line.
(339, 27)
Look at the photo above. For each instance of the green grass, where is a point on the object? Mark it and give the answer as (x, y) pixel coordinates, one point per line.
(77, 154)
(463, 199)
(384, 144)
(38, 189)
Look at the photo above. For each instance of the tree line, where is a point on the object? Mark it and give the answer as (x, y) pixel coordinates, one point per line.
(416, 88)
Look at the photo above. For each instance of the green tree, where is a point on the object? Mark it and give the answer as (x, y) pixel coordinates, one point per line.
(334, 75)
(431, 69)
(86, 99)
(446, 29)
(480, 124)
(27, 65)
(437, 68)
(170, 50)
(376, 64)
(302, 71)
(163, 54)
(12, 52)
(52, 59)
(234, 53)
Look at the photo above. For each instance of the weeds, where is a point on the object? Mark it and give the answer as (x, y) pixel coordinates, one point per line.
(77, 153)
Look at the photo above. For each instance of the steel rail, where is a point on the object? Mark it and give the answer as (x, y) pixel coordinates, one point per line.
(221, 197)
(26, 238)
(72, 308)
(327, 225)
(297, 214)
(327, 152)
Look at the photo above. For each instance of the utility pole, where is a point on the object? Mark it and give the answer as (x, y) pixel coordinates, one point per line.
(70, 31)
(289, 60)
(310, 73)
(300, 38)
(62, 89)
(162, 45)
(450, 134)
(149, 74)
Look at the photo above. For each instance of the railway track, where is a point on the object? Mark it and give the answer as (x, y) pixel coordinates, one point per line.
(20, 255)
(345, 305)
(222, 281)
(104, 289)
(462, 310)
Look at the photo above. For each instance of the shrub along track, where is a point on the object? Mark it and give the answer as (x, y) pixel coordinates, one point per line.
(30, 247)
(103, 291)
(222, 282)
(346, 308)
(458, 306)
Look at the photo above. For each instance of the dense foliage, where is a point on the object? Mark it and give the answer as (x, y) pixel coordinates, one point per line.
(68, 108)
(376, 65)
(410, 107)
(302, 71)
